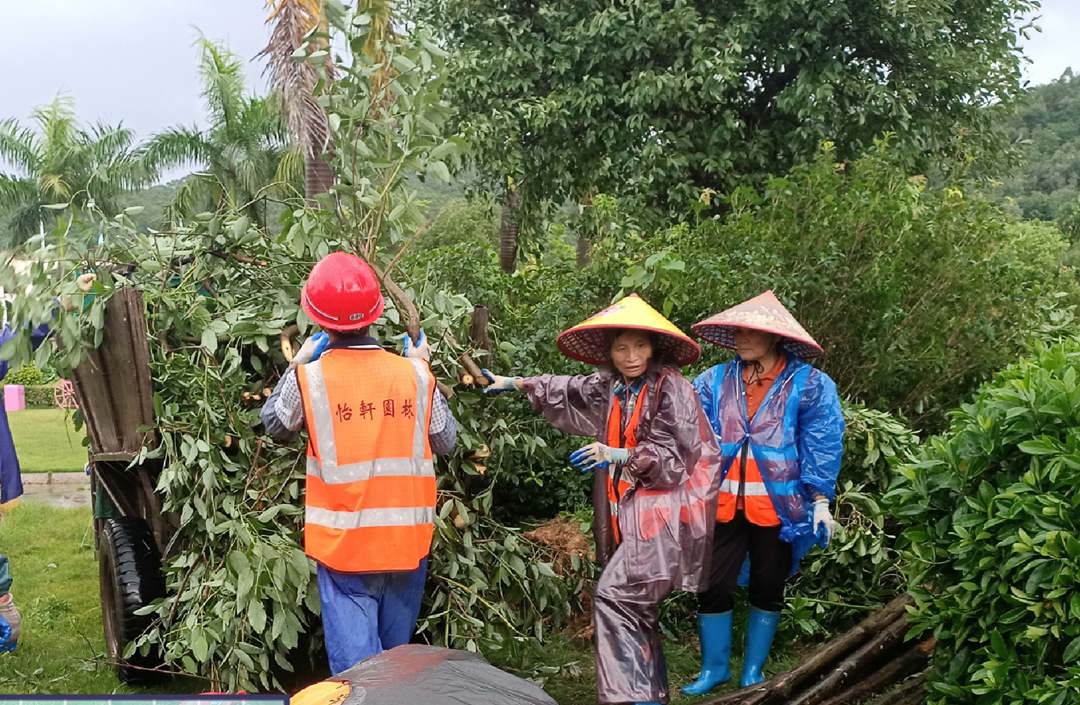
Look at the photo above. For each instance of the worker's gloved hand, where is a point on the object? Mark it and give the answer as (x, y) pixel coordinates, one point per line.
(312, 348)
(85, 282)
(418, 350)
(9, 624)
(823, 521)
(499, 383)
(597, 455)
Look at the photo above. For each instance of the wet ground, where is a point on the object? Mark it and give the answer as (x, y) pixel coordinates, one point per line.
(57, 489)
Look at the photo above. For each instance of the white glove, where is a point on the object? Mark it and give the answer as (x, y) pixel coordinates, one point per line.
(419, 350)
(499, 383)
(85, 282)
(597, 455)
(311, 349)
(823, 520)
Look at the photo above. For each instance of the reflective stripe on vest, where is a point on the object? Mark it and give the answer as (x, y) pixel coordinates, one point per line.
(757, 505)
(370, 490)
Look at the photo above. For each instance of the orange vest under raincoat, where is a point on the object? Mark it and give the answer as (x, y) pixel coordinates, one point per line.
(370, 475)
(661, 519)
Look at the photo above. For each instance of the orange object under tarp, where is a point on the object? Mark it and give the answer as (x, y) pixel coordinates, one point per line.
(322, 693)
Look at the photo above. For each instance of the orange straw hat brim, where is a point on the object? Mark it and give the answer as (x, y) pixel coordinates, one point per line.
(765, 313)
(589, 341)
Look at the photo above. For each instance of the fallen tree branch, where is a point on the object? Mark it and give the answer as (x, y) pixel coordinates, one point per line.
(912, 659)
(911, 691)
(779, 687)
(855, 663)
(404, 303)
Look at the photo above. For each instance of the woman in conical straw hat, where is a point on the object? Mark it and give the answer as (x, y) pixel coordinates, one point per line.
(780, 429)
(655, 482)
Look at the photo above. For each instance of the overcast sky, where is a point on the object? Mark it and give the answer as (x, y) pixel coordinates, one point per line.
(134, 60)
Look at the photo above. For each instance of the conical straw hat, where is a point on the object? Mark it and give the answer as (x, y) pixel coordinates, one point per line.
(765, 313)
(588, 340)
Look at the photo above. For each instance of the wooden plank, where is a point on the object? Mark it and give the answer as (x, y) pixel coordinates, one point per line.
(114, 386)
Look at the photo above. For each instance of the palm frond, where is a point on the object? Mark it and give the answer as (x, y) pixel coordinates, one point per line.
(223, 83)
(293, 81)
(19, 146)
(16, 192)
(289, 173)
(177, 146)
(58, 130)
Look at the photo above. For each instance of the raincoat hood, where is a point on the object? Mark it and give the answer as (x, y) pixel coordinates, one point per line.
(588, 340)
(765, 313)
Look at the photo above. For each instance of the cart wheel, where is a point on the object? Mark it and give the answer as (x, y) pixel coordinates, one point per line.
(131, 578)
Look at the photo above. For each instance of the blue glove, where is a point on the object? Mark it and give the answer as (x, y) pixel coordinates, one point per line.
(597, 455)
(499, 383)
(312, 348)
(418, 350)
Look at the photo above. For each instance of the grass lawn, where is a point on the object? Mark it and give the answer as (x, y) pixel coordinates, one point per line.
(46, 440)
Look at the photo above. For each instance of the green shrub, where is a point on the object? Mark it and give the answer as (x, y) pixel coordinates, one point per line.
(26, 375)
(992, 538)
(40, 395)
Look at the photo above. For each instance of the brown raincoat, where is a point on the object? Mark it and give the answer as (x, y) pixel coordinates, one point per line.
(675, 468)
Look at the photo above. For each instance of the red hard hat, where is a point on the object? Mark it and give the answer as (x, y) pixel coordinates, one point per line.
(342, 293)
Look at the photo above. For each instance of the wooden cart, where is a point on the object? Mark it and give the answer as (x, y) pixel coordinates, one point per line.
(114, 390)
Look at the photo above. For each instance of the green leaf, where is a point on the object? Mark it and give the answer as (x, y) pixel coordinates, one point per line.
(209, 341)
(257, 616)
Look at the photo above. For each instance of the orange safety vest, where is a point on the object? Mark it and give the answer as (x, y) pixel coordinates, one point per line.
(617, 438)
(370, 476)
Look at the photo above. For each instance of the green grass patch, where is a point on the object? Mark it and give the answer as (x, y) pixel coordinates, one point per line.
(46, 440)
(62, 647)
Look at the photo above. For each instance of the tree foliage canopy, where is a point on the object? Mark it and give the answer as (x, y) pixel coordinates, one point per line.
(660, 98)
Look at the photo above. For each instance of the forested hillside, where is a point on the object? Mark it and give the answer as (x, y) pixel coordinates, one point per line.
(1048, 129)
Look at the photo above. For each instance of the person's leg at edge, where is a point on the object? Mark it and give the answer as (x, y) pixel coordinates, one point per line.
(399, 605)
(10, 621)
(770, 563)
(630, 666)
(730, 542)
(350, 615)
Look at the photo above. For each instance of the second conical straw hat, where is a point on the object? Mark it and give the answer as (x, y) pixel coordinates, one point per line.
(765, 313)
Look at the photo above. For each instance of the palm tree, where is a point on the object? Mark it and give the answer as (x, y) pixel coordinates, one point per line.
(294, 83)
(243, 153)
(62, 163)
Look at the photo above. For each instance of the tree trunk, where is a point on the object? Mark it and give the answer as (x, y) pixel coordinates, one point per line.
(582, 251)
(318, 177)
(508, 232)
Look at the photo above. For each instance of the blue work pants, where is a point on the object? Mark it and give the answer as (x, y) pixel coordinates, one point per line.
(366, 613)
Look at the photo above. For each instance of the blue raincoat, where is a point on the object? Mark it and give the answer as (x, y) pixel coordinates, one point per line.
(10, 479)
(796, 437)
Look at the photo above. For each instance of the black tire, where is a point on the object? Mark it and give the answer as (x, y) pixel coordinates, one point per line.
(130, 576)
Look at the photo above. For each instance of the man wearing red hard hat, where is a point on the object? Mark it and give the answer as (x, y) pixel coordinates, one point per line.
(373, 419)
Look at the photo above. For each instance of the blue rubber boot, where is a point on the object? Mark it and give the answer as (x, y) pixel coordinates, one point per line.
(715, 632)
(760, 631)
